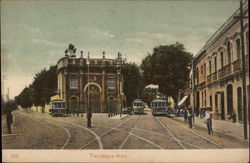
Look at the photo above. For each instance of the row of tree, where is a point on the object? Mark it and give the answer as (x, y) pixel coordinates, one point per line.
(42, 88)
(168, 67)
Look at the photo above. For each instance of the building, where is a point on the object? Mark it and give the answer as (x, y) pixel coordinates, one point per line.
(218, 70)
(86, 82)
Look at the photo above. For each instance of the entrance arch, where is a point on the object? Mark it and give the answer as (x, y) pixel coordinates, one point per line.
(222, 105)
(229, 99)
(92, 96)
(239, 101)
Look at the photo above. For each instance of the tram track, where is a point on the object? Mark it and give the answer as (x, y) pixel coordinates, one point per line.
(172, 135)
(202, 137)
(188, 134)
(105, 133)
(66, 130)
(129, 133)
(137, 122)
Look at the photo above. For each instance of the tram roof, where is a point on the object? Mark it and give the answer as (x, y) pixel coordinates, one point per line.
(137, 100)
(159, 100)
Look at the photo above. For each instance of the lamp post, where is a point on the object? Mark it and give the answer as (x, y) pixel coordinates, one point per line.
(88, 80)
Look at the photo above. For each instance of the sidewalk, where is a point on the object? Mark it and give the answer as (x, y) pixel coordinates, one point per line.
(119, 116)
(226, 127)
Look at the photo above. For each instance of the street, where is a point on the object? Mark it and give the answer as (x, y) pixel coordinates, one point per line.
(32, 130)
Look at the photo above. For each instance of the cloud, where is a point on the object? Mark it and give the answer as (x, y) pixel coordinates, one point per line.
(47, 42)
(136, 40)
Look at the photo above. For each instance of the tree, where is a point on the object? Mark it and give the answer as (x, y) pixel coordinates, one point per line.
(168, 67)
(44, 86)
(39, 92)
(25, 98)
(132, 82)
(149, 95)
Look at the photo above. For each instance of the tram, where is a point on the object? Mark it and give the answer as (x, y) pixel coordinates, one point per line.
(159, 107)
(57, 108)
(138, 106)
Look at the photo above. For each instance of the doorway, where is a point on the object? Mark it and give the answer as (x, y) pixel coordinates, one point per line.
(222, 106)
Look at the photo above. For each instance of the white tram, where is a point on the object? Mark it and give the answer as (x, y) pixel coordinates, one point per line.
(138, 106)
(159, 107)
(57, 108)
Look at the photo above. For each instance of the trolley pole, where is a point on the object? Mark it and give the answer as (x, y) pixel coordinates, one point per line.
(241, 17)
(193, 93)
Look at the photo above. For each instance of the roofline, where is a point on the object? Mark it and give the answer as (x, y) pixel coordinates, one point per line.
(222, 29)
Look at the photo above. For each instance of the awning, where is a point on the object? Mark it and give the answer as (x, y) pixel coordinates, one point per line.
(183, 100)
(152, 86)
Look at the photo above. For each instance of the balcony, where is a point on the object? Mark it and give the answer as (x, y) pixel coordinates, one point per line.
(214, 76)
(209, 78)
(236, 65)
(226, 70)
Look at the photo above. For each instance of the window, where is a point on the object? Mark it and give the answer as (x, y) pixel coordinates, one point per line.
(229, 52)
(221, 59)
(73, 82)
(210, 67)
(205, 101)
(204, 68)
(215, 64)
(211, 101)
(238, 48)
(201, 69)
(216, 102)
(111, 83)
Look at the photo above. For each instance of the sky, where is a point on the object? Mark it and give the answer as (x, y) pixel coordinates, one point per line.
(35, 34)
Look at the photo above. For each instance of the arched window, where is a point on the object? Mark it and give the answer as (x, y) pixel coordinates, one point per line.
(215, 64)
(210, 67)
(238, 48)
(221, 59)
(229, 52)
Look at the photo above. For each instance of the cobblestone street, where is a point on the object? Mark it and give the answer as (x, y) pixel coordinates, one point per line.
(40, 131)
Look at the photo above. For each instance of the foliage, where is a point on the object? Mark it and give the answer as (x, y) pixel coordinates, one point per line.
(149, 95)
(25, 98)
(132, 82)
(168, 67)
(39, 92)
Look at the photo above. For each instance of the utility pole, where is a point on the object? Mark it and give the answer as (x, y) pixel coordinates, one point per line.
(192, 82)
(241, 17)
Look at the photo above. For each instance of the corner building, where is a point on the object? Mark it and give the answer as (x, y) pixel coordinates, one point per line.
(98, 84)
(218, 70)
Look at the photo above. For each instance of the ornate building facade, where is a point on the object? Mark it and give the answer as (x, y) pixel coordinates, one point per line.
(90, 83)
(218, 70)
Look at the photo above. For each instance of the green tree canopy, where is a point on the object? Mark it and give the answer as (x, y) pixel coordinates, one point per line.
(168, 67)
(132, 82)
(39, 92)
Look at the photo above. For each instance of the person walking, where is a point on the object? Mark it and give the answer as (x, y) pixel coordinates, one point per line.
(9, 120)
(189, 116)
(89, 116)
(208, 120)
(185, 115)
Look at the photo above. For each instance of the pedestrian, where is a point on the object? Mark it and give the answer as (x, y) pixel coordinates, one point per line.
(9, 120)
(89, 116)
(189, 116)
(185, 115)
(208, 121)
